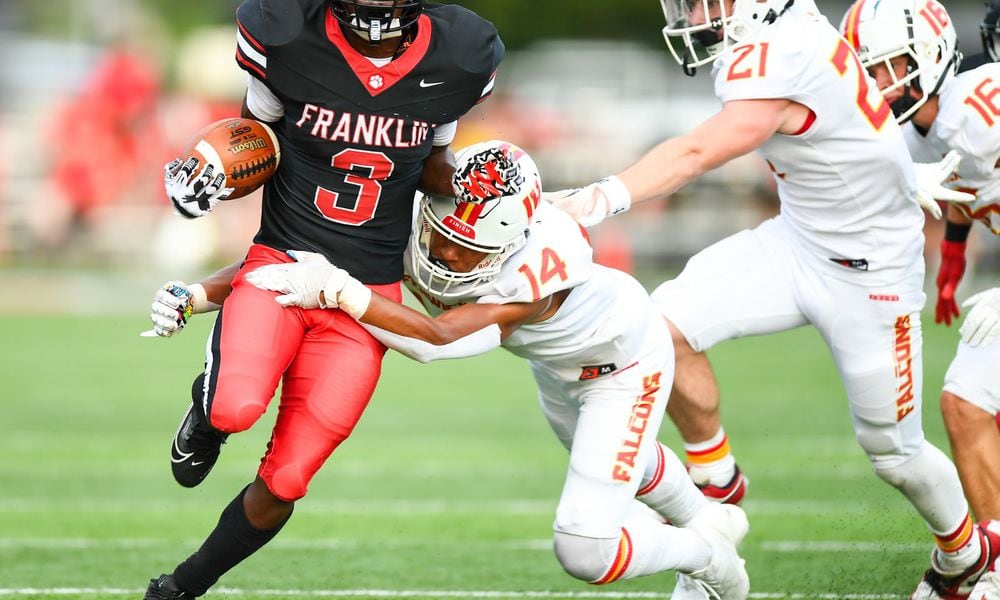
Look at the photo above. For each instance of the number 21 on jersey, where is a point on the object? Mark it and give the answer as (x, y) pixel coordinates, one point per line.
(751, 61)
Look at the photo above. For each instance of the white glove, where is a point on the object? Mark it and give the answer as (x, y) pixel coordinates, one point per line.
(301, 283)
(193, 195)
(592, 204)
(172, 306)
(982, 324)
(930, 176)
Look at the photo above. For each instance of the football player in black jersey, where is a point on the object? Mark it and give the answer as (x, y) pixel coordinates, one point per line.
(364, 96)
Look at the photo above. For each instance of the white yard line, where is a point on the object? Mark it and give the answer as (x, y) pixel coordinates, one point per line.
(329, 544)
(542, 544)
(836, 546)
(424, 507)
(103, 592)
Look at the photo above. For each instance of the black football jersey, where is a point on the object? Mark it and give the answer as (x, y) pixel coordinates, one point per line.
(354, 136)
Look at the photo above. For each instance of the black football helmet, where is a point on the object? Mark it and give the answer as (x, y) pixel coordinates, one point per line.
(376, 20)
(990, 30)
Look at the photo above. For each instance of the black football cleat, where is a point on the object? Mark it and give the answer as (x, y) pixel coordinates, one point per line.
(165, 588)
(195, 449)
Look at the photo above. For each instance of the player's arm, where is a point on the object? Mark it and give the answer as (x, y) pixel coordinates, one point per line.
(450, 325)
(312, 282)
(245, 110)
(219, 285)
(176, 301)
(439, 166)
(739, 128)
(445, 337)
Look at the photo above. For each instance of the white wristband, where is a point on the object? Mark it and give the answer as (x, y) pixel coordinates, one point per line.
(354, 298)
(619, 198)
(199, 300)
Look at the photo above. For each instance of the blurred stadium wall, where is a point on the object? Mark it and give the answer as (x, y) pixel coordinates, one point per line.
(98, 94)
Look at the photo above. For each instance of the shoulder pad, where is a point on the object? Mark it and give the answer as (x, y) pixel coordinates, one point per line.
(471, 39)
(557, 257)
(277, 22)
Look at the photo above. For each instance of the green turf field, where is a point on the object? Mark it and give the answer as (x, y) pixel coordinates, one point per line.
(446, 490)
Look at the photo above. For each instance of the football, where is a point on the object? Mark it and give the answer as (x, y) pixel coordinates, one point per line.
(245, 149)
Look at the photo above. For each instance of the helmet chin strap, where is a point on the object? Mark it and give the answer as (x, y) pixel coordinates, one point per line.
(686, 66)
(904, 103)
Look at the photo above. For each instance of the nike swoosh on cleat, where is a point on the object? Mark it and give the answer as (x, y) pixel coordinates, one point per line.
(196, 463)
(427, 84)
(177, 456)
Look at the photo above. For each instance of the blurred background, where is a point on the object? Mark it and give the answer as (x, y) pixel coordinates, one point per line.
(95, 95)
(436, 490)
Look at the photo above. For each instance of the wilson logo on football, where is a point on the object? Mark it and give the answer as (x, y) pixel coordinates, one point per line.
(488, 176)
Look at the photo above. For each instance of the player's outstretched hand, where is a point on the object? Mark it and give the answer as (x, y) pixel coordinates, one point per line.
(173, 305)
(930, 176)
(592, 204)
(982, 324)
(193, 192)
(312, 282)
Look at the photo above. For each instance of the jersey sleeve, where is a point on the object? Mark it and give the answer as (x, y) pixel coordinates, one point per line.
(476, 48)
(556, 257)
(494, 64)
(251, 52)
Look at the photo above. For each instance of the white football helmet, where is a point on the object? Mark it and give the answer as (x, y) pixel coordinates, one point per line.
(989, 30)
(699, 31)
(921, 30)
(497, 190)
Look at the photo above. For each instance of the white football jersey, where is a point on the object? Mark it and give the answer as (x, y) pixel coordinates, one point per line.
(968, 108)
(846, 182)
(601, 325)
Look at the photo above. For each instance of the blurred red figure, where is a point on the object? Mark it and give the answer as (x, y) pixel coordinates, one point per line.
(100, 141)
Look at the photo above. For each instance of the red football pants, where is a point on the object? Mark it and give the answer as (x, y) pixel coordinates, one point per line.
(328, 364)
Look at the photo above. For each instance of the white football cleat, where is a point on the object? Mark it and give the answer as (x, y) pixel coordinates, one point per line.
(936, 585)
(688, 589)
(725, 578)
(988, 587)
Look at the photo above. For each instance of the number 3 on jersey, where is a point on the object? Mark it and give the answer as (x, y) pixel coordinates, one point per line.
(552, 266)
(363, 170)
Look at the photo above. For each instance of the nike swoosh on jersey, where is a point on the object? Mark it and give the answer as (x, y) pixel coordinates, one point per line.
(427, 84)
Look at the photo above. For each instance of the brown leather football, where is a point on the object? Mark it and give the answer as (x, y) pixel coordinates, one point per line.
(246, 149)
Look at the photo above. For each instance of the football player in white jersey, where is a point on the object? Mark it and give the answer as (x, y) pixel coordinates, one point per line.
(845, 254)
(497, 267)
(910, 48)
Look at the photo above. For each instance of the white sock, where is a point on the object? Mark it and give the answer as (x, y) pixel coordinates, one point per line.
(711, 461)
(667, 488)
(930, 482)
(658, 547)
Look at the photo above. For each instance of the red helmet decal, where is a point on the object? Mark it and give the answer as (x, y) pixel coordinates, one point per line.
(488, 175)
